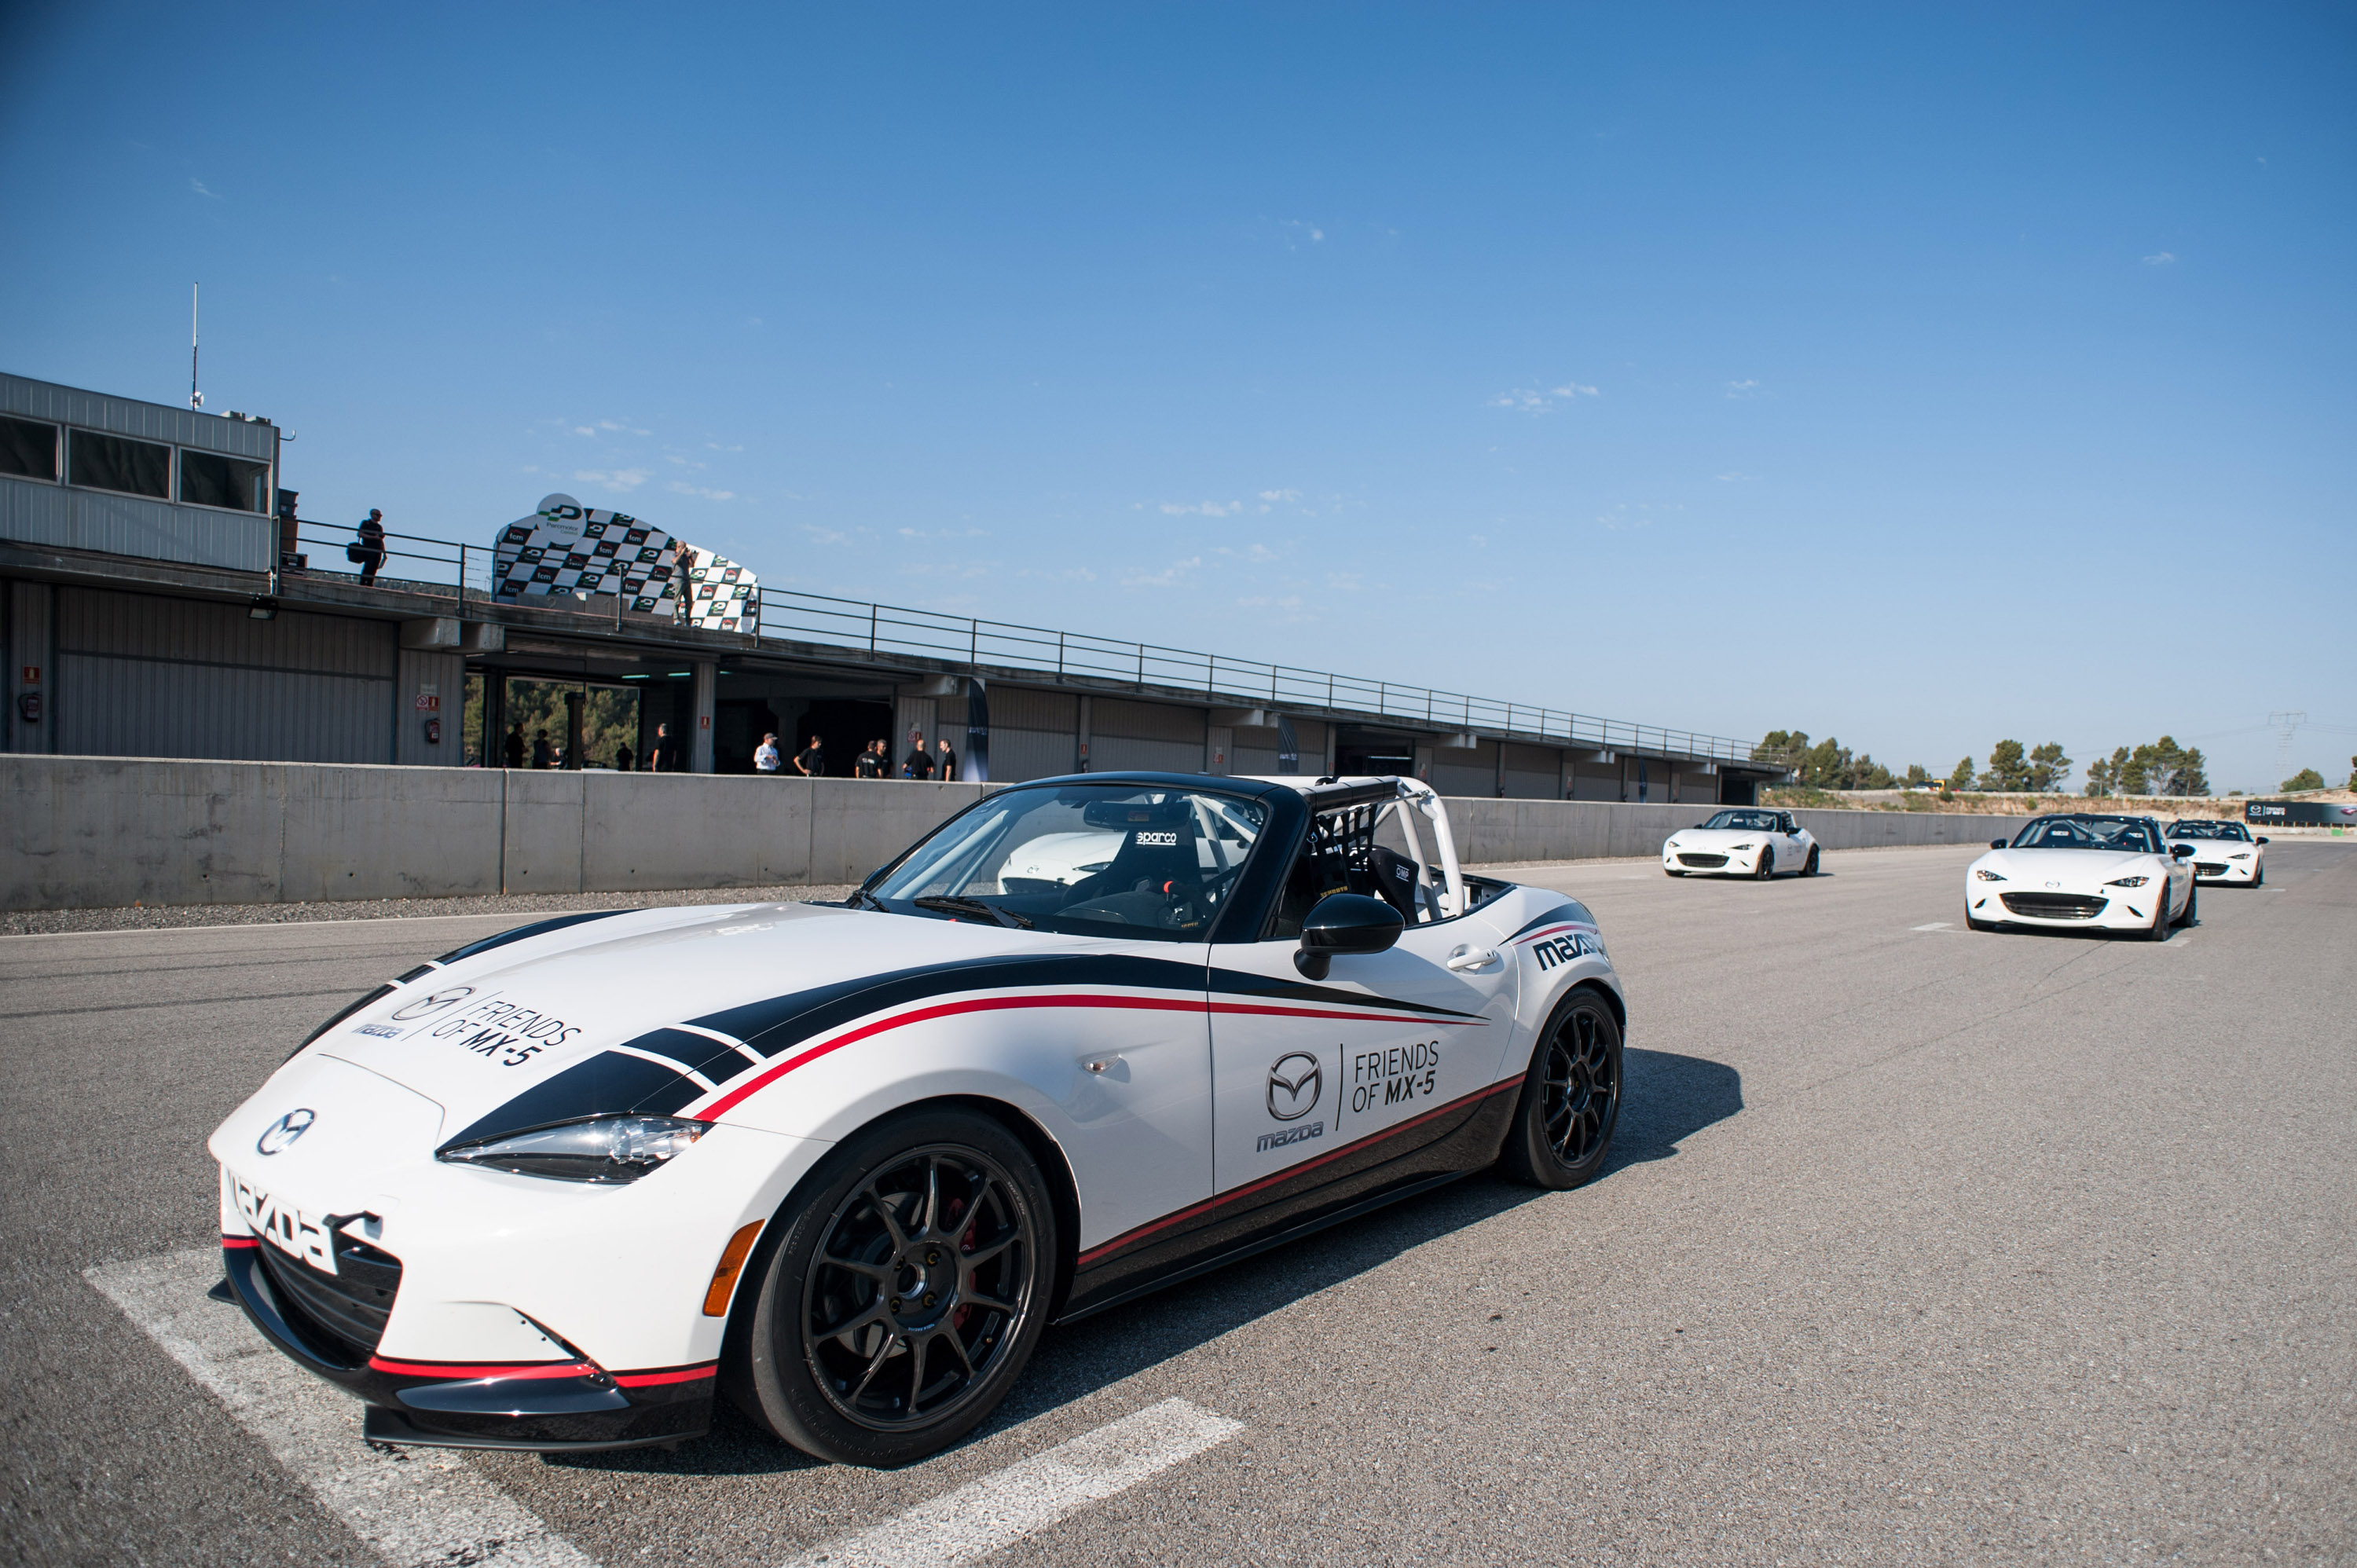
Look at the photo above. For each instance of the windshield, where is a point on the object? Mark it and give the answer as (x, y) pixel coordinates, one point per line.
(2209, 831)
(2126, 833)
(1745, 822)
(1089, 859)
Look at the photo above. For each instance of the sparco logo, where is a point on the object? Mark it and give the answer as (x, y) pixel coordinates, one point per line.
(435, 1003)
(285, 1131)
(1294, 1086)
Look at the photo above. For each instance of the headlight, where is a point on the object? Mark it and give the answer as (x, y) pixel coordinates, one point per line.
(1738, 849)
(2128, 882)
(602, 1149)
(1989, 875)
(2244, 855)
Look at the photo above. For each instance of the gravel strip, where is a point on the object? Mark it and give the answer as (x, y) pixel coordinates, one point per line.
(139, 917)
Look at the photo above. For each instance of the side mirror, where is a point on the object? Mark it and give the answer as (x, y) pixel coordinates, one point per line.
(2179, 851)
(1345, 923)
(1996, 843)
(2262, 840)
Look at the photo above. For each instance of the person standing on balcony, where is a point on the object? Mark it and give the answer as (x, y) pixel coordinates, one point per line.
(765, 755)
(947, 763)
(543, 754)
(869, 763)
(916, 765)
(512, 749)
(811, 760)
(368, 550)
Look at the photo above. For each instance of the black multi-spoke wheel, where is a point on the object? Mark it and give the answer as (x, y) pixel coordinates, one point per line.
(2192, 915)
(1766, 869)
(909, 1286)
(1571, 1096)
(1811, 869)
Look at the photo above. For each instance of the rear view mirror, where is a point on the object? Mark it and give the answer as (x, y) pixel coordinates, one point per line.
(1996, 843)
(1345, 923)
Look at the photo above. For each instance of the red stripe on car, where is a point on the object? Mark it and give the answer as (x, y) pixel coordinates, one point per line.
(676, 1375)
(760, 1080)
(481, 1370)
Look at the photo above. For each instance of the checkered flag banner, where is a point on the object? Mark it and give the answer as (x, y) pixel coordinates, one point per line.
(569, 548)
(722, 595)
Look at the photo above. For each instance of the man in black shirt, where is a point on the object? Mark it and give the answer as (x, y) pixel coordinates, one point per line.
(948, 763)
(916, 765)
(812, 760)
(511, 750)
(869, 764)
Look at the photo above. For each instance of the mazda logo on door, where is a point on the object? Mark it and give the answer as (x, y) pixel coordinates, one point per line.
(435, 1003)
(1294, 1083)
(285, 1131)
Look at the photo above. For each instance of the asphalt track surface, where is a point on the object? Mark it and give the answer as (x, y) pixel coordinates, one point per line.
(1916, 1246)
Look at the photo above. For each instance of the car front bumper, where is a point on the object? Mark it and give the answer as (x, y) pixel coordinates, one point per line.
(1697, 863)
(2226, 870)
(2100, 910)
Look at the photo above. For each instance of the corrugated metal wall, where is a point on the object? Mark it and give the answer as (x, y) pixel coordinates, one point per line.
(143, 675)
(1473, 772)
(1533, 772)
(1145, 735)
(1033, 734)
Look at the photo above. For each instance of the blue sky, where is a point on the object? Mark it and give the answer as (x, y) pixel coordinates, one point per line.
(1917, 375)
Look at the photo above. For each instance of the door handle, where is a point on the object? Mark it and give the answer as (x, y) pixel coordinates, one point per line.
(1465, 958)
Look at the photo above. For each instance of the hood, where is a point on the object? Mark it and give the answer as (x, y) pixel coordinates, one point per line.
(2078, 870)
(585, 1020)
(1719, 839)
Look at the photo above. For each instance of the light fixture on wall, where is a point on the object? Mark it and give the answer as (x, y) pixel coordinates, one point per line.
(264, 607)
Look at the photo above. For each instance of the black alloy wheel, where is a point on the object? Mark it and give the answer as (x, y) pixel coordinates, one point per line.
(2260, 880)
(1766, 870)
(2159, 931)
(909, 1284)
(1811, 868)
(1571, 1096)
(2192, 904)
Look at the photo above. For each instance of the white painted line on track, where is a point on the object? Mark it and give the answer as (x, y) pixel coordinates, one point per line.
(1001, 1508)
(1934, 925)
(413, 1506)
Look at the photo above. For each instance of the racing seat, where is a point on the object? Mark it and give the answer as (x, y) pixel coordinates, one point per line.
(1391, 878)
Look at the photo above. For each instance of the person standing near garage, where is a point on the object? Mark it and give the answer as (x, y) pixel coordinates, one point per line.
(368, 550)
(916, 765)
(948, 762)
(512, 749)
(765, 755)
(811, 760)
(869, 763)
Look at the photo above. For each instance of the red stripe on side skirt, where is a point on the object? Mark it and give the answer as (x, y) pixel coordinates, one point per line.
(1129, 1237)
(678, 1375)
(475, 1370)
(238, 1243)
(761, 1081)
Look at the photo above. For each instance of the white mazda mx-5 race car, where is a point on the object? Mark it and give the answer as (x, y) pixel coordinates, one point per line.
(2080, 871)
(841, 1164)
(2223, 851)
(1742, 841)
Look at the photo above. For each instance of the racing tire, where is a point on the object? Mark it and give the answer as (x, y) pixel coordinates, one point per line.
(2161, 926)
(909, 1280)
(2192, 906)
(2261, 879)
(1667, 871)
(1811, 868)
(1971, 924)
(1766, 870)
(1571, 1097)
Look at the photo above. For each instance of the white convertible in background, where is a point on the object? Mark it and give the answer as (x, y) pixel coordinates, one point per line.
(2080, 871)
(2223, 851)
(1742, 841)
(841, 1164)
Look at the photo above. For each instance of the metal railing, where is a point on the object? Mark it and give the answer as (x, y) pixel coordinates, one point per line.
(416, 563)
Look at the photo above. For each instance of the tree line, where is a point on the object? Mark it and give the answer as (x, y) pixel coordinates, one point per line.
(2161, 768)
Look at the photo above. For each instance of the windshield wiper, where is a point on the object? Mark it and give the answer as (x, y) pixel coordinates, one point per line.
(860, 895)
(949, 906)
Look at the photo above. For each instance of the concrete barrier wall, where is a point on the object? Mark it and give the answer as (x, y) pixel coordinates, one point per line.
(100, 831)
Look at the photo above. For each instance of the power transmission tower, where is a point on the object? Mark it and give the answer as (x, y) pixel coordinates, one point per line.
(2284, 724)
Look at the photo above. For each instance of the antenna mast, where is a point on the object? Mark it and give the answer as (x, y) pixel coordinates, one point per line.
(196, 398)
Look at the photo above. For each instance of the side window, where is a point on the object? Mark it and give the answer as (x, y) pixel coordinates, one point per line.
(1304, 882)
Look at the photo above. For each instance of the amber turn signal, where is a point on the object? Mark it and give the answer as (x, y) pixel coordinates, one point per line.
(732, 1263)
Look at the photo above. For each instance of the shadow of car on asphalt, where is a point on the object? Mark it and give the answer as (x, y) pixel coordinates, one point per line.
(1666, 1099)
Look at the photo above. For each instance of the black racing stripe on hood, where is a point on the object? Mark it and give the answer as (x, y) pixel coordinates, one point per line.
(1573, 910)
(781, 1023)
(607, 1084)
(537, 929)
(714, 1060)
(1277, 988)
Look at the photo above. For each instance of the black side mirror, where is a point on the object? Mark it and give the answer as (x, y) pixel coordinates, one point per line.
(2179, 851)
(1996, 843)
(2262, 840)
(1345, 923)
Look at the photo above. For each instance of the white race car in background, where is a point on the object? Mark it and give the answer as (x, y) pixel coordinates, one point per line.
(841, 1164)
(2223, 851)
(1742, 841)
(2082, 870)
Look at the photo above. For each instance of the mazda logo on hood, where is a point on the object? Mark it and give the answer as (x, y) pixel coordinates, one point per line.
(435, 1003)
(1295, 1082)
(285, 1131)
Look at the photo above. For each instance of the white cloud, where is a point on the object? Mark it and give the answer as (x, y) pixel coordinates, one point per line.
(1166, 578)
(1275, 496)
(1258, 553)
(946, 569)
(198, 186)
(614, 479)
(1263, 602)
(1345, 582)
(826, 535)
(1742, 388)
(1202, 508)
(2160, 259)
(584, 430)
(716, 447)
(678, 488)
(1733, 479)
(943, 534)
(1531, 400)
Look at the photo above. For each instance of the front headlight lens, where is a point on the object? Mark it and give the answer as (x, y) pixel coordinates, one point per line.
(1740, 848)
(2128, 882)
(2244, 855)
(1989, 875)
(601, 1149)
